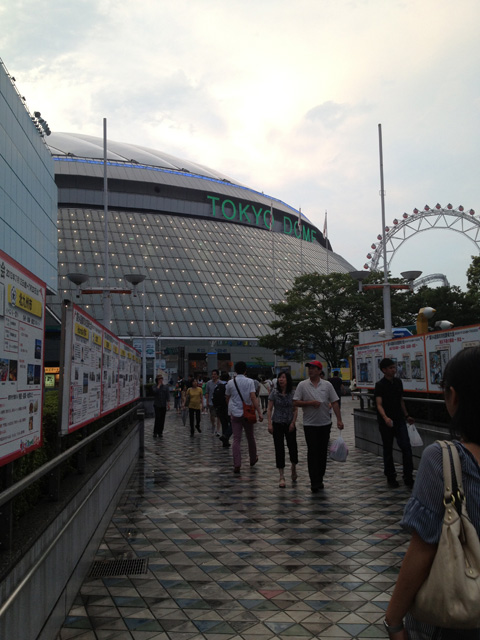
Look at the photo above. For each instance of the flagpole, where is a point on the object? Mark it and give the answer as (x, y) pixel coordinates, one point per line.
(325, 235)
(301, 243)
(274, 273)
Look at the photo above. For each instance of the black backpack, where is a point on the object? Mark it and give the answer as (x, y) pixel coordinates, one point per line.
(218, 396)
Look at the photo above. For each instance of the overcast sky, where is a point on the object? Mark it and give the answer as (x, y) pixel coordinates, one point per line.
(283, 96)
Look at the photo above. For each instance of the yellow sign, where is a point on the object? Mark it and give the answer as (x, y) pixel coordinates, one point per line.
(81, 331)
(115, 349)
(107, 344)
(97, 339)
(20, 299)
(52, 369)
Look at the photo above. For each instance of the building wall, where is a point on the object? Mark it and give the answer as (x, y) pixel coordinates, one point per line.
(28, 194)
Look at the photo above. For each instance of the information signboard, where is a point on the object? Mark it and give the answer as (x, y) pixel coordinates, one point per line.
(22, 344)
(409, 355)
(420, 360)
(101, 373)
(367, 357)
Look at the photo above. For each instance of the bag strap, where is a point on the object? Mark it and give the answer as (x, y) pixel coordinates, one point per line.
(453, 485)
(236, 385)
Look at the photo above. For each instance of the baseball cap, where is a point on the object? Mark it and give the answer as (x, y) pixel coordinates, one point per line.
(314, 363)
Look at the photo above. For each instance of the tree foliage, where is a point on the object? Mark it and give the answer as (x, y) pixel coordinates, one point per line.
(321, 314)
(473, 276)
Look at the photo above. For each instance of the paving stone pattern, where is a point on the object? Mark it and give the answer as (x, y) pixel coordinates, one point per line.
(234, 557)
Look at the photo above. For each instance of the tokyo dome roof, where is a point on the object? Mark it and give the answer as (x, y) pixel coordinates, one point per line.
(77, 145)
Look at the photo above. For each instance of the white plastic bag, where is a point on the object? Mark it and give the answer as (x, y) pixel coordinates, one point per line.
(339, 450)
(415, 437)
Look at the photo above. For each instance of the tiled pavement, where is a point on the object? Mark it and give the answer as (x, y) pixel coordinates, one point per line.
(236, 557)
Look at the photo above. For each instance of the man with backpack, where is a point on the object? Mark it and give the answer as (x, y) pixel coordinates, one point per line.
(209, 390)
(219, 402)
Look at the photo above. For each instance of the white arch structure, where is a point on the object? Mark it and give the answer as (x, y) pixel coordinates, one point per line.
(429, 218)
(433, 277)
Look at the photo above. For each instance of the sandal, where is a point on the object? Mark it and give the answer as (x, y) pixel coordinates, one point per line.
(281, 484)
(294, 475)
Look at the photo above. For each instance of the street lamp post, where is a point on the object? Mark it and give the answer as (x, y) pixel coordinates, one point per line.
(135, 279)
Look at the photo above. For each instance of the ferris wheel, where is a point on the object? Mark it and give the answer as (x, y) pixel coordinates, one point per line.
(429, 218)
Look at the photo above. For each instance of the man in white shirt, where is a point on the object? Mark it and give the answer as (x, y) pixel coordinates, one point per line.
(239, 390)
(315, 396)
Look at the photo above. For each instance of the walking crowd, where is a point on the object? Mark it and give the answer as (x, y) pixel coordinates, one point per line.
(441, 570)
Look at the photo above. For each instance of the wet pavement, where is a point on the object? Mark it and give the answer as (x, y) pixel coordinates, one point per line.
(233, 557)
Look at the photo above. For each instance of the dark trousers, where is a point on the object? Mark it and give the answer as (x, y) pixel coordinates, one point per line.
(194, 417)
(317, 439)
(160, 413)
(222, 415)
(282, 431)
(400, 433)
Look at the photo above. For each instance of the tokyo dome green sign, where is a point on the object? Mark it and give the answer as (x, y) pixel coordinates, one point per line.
(246, 213)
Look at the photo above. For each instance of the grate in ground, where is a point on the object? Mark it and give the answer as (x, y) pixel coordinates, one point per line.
(107, 568)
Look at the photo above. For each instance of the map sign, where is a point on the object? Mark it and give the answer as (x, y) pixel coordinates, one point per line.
(22, 342)
(101, 372)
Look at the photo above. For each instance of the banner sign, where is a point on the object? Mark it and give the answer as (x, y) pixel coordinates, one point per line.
(101, 373)
(22, 342)
(420, 360)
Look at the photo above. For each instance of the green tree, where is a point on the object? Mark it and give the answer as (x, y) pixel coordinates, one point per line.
(473, 276)
(450, 303)
(321, 314)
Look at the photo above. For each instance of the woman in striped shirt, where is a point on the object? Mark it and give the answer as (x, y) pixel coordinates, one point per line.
(424, 512)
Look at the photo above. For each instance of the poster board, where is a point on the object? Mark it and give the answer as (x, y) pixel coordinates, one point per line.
(101, 373)
(367, 357)
(420, 360)
(409, 356)
(22, 348)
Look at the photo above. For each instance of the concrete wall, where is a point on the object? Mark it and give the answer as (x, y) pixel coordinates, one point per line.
(50, 575)
(367, 436)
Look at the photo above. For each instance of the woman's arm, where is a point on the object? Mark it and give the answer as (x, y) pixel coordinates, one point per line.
(294, 419)
(413, 573)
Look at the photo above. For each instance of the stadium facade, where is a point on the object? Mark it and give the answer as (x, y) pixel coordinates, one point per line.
(213, 258)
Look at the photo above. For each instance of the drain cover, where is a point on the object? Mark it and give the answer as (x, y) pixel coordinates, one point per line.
(118, 568)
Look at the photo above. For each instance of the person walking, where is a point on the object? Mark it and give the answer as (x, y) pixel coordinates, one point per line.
(392, 417)
(425, 511)
(161, 402)
(315, 396)
(219, 400)
(193, 399)
(242, 390)
(263, 394)
(209, 389)
(282, 418)
(337, 384)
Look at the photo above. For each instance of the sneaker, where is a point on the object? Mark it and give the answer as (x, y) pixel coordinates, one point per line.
(393, 483)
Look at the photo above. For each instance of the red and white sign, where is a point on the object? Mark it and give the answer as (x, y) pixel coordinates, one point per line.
(22, 346)
(101, 373)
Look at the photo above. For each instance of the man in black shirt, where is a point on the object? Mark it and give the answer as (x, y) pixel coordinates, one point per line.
(337, 383)
(392, 416)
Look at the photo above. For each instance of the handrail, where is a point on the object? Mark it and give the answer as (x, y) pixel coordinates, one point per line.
(366, 394)
(24, 483)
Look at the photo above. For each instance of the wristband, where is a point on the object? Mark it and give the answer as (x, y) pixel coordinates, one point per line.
(392, 629)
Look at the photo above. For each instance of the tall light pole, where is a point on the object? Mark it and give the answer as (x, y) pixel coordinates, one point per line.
(135, 279)
(387, 306)
(107, 301)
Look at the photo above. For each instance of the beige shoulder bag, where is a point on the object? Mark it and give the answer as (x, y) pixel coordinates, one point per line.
(450, 596)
